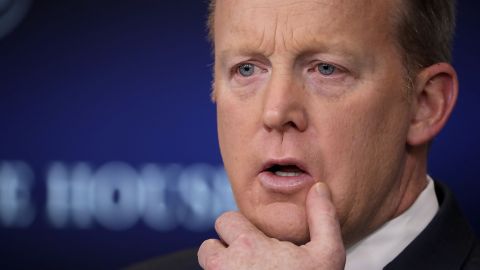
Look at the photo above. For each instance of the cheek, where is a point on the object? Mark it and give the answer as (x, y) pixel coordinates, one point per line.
(369, 126)
(236, 126)
(239, 118)
(363, 142)
(230, 123)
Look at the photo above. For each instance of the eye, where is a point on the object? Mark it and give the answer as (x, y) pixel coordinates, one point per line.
(246, 70)
(326, 69)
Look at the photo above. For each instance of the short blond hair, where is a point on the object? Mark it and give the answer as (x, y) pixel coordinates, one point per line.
(424, 31)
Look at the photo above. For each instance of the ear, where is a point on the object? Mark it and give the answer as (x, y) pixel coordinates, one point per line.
(435, 94)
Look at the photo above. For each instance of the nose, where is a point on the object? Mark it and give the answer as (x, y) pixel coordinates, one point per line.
(284, 105)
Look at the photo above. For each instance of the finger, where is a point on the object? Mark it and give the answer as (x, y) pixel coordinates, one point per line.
(231, 225)
(209, 251)
(322, 219)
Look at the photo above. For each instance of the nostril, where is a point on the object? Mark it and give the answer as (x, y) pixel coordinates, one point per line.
(292, 124)
(284, 120)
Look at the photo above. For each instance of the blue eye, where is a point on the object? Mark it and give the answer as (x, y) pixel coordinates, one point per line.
(326, 69)
(246, 70)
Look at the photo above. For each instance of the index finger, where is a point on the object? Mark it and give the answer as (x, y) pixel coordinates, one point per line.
(322, 219)
(231, 225)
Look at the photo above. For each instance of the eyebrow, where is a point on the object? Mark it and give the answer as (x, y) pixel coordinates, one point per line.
(240, 52)
(243, 49)
(304, 55)
(301, 53)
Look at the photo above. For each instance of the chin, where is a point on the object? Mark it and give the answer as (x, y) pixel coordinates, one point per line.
(282, 221)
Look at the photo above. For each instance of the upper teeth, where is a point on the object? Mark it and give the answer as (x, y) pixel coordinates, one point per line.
(280, 173)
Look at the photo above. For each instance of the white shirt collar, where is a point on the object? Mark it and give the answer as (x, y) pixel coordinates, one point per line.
(379, 248)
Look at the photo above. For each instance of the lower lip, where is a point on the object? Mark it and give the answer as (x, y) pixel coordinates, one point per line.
(284, 184)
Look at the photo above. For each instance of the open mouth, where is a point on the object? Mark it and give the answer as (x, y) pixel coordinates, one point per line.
(286, 176)
(285, 170)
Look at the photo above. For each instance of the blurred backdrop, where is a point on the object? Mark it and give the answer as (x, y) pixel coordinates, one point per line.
(108, 148)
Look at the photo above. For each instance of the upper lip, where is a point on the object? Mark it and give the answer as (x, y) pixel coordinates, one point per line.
(284, 162)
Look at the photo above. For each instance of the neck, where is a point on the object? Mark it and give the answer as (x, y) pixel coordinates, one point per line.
(413, 180)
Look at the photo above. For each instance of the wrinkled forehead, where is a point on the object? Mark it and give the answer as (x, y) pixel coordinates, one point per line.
(288, 20)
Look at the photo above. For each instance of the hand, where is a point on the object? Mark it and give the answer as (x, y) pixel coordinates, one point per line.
(246, 247)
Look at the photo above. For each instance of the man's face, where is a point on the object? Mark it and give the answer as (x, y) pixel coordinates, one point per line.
(311, 91)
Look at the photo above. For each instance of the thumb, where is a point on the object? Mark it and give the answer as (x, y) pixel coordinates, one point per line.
(322, 220)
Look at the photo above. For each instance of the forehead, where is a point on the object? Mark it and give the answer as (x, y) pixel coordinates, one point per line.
(293, 24)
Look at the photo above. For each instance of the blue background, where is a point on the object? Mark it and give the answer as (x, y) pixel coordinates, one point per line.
(97, 81)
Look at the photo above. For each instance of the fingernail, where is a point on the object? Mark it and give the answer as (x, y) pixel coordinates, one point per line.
(322, 190)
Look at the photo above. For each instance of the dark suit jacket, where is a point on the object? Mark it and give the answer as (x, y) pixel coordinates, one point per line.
(447, 243)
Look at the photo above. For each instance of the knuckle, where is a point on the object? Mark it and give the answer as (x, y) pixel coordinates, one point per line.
(337, 257)
(219, 222)
(213, 262)
(223, 219)
(335, 251)
(338, 251)
(245, 240)
(206, 243)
